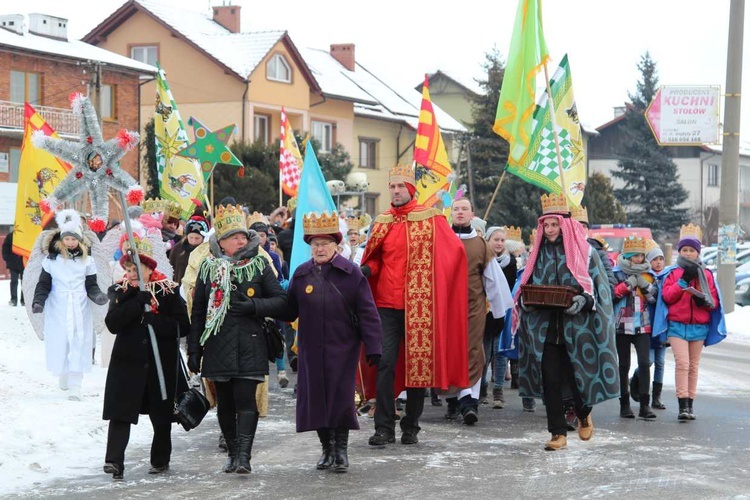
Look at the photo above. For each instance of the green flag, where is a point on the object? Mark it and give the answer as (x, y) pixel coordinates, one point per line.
(528, 52)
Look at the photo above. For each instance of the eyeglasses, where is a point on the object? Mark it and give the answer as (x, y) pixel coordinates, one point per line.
(320, 244)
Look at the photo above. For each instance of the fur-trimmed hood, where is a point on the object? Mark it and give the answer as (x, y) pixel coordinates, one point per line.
(52, 244)
(247, 252)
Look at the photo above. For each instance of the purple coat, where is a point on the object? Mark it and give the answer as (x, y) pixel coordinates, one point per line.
(328, 346)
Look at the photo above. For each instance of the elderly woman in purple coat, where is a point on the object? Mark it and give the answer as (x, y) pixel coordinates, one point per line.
(336, 314)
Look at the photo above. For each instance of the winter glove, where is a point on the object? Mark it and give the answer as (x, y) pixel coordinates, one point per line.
(632, 281)
(100, 299)
(194, 362)
(366, 270)
(143, 297)
(37, 308)
(580, 303)
(699, 301)
(149, 318)
(241, 306)
(651, 293)
(643, 283)
(373, 359)
(689, 274)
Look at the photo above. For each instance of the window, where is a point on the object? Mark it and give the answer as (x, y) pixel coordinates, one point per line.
(25, 87)
(367, 153)
(278, 69)
(713, 175)
(323, 133)
(371, 204)
(261, 127)
(107, 103)
(15, 161)
(148, 54)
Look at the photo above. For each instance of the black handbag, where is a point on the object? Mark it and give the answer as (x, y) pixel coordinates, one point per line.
(191, 406)
(274, 340)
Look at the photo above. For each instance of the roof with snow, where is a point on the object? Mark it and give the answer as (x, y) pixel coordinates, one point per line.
(73, 49)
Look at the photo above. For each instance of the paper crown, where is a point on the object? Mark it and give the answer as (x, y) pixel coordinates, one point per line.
(324, 223)
(513, 233)
(292, 203)
(172, 209)
(142, 246)
(152, 205)
(402, 173)
(554, 203)
(532, 241)
(650, 245)
(229, 219)
(256, 217)
(691, 230)
(580, 213)
(634, 244)
(354, 223)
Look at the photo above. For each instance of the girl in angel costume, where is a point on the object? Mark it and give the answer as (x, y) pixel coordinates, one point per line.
(63, 282)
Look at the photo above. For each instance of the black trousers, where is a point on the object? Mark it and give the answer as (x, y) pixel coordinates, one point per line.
(232, 397)
(393, 324)
(15, 277)
(119, 435)
(557, 372)
(642, 343)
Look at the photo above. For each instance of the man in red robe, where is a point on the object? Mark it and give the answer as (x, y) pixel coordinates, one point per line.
(415, 266)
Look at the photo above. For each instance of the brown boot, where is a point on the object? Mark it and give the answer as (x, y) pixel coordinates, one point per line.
(585, 428)
(498, 398)
(556, 442)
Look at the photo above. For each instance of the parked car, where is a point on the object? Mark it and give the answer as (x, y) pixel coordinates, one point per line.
(742, 257)
(615, 234)
(742, 292)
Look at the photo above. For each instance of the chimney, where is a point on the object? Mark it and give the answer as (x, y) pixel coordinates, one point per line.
(49, 26)
(344, 54)
(228, 16)
(12, 22)
(619, 111)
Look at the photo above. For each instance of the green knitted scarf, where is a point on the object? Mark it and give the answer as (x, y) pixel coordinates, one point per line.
(220, 273)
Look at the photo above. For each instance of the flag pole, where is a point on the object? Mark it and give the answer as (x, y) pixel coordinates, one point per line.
(553, 120)
(492, 200)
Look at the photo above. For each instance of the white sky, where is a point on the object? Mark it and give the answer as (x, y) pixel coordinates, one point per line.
(401, 40)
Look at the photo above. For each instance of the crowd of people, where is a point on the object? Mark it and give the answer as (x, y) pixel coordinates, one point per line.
(384, 310)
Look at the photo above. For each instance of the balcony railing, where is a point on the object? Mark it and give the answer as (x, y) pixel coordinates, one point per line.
(63, 121)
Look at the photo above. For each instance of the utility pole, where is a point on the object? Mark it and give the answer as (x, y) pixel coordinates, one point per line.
(730, 154)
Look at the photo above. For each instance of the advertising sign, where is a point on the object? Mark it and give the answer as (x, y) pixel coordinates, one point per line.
(685, 115)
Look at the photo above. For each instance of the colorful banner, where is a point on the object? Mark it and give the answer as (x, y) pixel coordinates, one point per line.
(432, 167)
(528, 53)
(39, 173)
(210, 148)
(290, 159)
(541, 168)
(180, 178)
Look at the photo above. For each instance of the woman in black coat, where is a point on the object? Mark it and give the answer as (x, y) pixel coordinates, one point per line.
(132, 386)
(235, 290)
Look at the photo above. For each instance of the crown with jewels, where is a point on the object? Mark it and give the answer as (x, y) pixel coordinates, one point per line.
(650, 245)
(357, 223)
(634, 244)
(142, 246)
(256, 217)
(691, 231)
(554, 203)
(229, 219)
(172, 209)
(152, 205)
(402, 173)
(513, 233)
(532, 241)
(580, 213)
(323, 223)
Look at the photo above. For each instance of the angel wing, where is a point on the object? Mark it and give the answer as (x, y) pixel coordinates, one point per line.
(31, 277)
(103, 278)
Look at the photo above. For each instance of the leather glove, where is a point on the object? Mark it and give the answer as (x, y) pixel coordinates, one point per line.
(143, 297)
(700, 301)
(632, 281)
(194, 362)
(100, 299)
(239, 305)
(149, 318)
(577, 306)
(651, 293)
(373, 359)
(643, 283)
(689, 274)
(37, 308)
(366, 270)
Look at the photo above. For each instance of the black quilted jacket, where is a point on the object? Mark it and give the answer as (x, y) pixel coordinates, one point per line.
(239, 348)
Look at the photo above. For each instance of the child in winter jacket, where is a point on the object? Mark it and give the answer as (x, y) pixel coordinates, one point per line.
(634, 291)
(692, 298)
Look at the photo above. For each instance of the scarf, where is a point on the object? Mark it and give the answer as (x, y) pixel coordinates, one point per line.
(219, 272)
(629, 268)
(157, 282)
(703, 282)
(503, 260)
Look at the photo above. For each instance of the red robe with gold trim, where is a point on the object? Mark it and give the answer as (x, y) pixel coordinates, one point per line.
(420, 245)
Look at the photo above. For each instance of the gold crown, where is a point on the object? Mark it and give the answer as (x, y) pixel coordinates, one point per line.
(580, 213)
(229, 219)
(634, 244)
(402, 173)
(172, 209)
(142, 246)
(554, 203)
(532, 241)
(513, 233)
(650, 245)
(152, 205)
(256, 217)
(292, 203)
(357, 223)
(314, 223)
(691, 230)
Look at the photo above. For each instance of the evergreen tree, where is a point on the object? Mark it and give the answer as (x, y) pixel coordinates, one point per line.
(517, 203)
(652, 192)
(148, 160)
(599, 199)
(258, 189)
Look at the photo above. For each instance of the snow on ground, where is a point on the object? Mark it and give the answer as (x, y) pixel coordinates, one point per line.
(46, 437)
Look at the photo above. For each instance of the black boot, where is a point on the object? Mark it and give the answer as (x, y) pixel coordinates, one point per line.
(434, 398)
(232, 448)
(635, 387)
(656, 403)
(684, 412)
(625, 411)
(645, 411)
(469, 408)
(691, 414)
(247, 424)
(451, 413)
(514, 374)
(340, 448)
(326, 437)
(228, 425)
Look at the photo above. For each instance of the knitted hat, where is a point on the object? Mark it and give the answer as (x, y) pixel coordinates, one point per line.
(197, 225)
(479, 224)
(70, 224)
(689, 241)
(653, 250)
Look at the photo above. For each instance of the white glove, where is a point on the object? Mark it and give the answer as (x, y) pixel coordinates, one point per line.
(578, 302)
